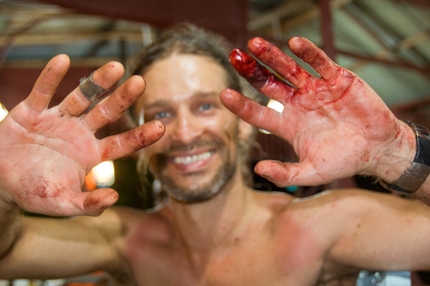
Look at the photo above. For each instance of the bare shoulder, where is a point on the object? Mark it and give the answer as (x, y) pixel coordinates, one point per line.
(343, 206)
(285, 203)
(141, 226)
(344, 198)
(329, 204)
(276, 202)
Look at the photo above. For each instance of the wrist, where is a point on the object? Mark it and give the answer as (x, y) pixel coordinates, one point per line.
(418, 171)
(397, 156)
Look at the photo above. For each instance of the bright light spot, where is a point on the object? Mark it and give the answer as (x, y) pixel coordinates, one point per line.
(275, 105)
(3, 111)
(104, 174)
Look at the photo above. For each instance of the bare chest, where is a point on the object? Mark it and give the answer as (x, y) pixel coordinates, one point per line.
(245, 263)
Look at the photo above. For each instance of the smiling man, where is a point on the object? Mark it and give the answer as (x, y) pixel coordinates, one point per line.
(215, 229)
(197, 156)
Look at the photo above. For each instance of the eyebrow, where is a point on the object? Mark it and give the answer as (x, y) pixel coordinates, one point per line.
(158, 103)
(196, 95)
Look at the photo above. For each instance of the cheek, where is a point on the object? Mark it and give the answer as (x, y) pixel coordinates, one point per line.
(155, 161)
(155, 148)
(225, 122)
(232, 127)
(230, 132)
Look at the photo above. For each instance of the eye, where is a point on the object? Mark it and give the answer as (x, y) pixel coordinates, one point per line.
(206, 106)
(161, 115)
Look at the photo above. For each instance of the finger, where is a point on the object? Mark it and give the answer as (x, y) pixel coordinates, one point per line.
(88, 203)
(126, 143)
(111, 109)
(74, 203)
(98, 200)
(47, 83)
(278, 61)
(289, 174)
(260, 77)
(252, 112)
(105, 77)
(313, 56)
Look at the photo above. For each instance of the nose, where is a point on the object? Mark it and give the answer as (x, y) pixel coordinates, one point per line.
(186, 127)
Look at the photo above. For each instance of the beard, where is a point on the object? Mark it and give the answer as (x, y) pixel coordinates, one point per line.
(198, 191)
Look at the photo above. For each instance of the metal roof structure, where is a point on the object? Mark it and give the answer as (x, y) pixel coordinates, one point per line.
(386, 42)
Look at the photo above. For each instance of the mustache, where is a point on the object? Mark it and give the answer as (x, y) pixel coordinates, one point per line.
(181, 147)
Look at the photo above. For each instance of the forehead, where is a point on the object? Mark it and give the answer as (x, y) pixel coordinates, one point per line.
(180, 76)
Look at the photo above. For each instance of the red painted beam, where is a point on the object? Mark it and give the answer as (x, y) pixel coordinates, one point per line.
(227, 17)
(326, 29)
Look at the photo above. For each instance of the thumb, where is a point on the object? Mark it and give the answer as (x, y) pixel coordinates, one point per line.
(99, 200)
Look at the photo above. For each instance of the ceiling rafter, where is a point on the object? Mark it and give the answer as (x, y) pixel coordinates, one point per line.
(396, 37)
(424, 3)
(99, 39)
(295, 13)
(285, 11)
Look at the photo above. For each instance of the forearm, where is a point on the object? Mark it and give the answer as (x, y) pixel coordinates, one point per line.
(50, 248)
(391, 231)
(10, 227)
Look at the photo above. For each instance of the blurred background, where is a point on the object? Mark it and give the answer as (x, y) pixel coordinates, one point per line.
(385, 42)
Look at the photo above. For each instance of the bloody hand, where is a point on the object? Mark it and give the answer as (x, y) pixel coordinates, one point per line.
(336, 123)
(46, 152)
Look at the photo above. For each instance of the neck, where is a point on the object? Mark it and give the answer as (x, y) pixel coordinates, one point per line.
(215, 222)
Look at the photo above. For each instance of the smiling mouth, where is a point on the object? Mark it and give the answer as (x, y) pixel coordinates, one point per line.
(186, 160)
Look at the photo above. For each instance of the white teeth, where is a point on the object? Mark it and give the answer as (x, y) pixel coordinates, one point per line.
(191, 159)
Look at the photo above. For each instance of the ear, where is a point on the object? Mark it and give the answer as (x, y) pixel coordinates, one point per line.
(245, 129)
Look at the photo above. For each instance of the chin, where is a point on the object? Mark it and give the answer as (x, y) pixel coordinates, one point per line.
(191, 197)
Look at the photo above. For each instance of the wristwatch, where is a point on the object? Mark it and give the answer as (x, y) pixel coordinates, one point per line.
(412, 179)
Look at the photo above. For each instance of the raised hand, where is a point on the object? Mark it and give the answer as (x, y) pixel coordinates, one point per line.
(337, 124)
(46, 152)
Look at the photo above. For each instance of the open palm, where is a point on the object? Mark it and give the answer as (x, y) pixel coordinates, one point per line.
(46, 152)
(335, 122)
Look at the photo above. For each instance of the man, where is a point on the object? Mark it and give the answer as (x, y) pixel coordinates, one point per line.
(215, 230)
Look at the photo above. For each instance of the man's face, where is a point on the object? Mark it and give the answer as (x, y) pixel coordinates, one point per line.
(197, 155)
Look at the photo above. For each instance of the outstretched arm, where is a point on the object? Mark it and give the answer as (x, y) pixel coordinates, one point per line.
(336, 123)
(375, 231)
